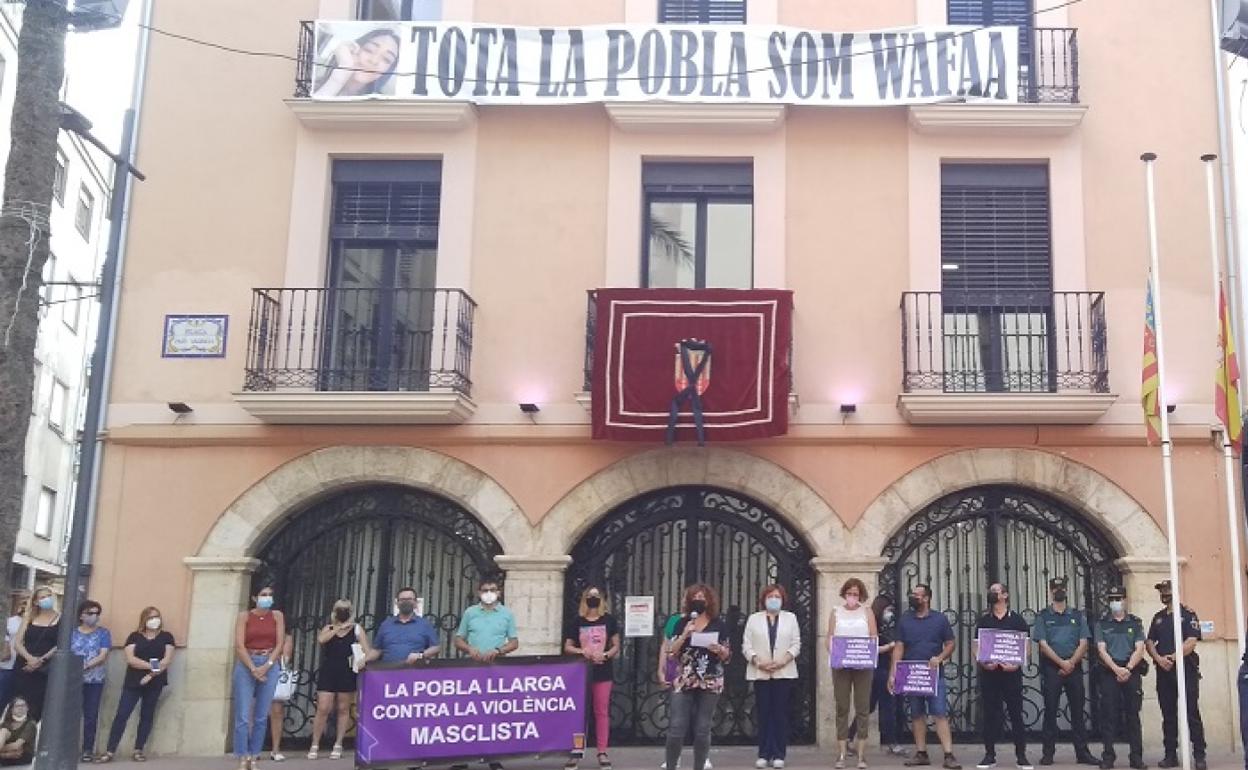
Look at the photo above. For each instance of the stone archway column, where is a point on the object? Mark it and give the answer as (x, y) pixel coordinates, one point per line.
(1140, 574)
(534, 593)
(832, 572)
(219, 586)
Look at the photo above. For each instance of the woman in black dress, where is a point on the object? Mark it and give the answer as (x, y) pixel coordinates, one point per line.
(336, 678)
(36, 643)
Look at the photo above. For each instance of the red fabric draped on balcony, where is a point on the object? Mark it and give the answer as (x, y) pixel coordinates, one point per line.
(637, 365)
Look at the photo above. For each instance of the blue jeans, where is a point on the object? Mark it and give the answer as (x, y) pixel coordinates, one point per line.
(1243, 708)
(252, 699)
(91, 693)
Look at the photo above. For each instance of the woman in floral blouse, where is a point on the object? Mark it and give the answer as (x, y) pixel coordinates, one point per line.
(701, 647)
(91, 642)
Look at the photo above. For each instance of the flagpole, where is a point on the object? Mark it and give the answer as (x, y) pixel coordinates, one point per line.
(1167, 471)
(1233, 519)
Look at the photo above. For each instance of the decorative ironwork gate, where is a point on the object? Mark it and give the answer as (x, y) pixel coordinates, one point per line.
(965, 541)
(655, 545)
(363, 545)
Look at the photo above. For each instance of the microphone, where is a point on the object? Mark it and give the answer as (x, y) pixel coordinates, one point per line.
(693, 615)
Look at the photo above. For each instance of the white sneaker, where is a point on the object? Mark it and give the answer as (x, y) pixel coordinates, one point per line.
(778, 764)
(760, 763)
(708, 765)
(664, 765)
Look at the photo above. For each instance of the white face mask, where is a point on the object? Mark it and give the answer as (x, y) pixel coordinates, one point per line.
(1115, 606)
(489, 597)
(153, 624)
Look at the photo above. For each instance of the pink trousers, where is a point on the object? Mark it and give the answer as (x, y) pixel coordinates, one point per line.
(601, 693)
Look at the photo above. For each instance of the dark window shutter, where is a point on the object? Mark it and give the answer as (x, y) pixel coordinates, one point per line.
(393, 200)
(997, 13)
(702, 11)
(722, 178)
(995, 241)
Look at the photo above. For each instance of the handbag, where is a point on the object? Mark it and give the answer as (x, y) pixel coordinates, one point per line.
(285, 684)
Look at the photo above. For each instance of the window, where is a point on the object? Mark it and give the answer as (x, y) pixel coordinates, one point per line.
(45, 512)
(60, 177)
(384, 246)
(58, 405)
(45, 291)
(34, 386)
(85, 213)
(400, 10)
(71, 304)
(702, 11)
(997, 13)
(996, 278)
(699, 225)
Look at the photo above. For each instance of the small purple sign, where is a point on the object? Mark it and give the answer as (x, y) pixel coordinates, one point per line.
(915, 677)
(853, 652)
(998, 646)
(451, 710)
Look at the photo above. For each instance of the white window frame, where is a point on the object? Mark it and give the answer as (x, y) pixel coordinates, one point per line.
(45, 512)
(58, 416)
(86, 203)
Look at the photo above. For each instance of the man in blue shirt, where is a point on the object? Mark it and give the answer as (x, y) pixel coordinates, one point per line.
(406, 637)
(925, 635)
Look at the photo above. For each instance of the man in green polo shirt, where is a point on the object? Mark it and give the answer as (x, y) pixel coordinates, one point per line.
(488, 629)
(1120, 645)
(1061, 634)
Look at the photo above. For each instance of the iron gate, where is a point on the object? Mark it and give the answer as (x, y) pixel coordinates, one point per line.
(363, 545)
(655, 545)
(965, 541)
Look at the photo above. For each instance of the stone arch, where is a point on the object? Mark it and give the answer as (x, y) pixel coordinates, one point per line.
(242, 528)
(734, 470)
(1123, 520)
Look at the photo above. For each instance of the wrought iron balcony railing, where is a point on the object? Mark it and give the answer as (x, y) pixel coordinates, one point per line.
(1039, 344)
(359, 340)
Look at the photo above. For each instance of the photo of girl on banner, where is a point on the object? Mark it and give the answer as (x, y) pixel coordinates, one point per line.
(354, 60)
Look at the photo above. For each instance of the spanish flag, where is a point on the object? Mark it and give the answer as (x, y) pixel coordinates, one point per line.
(1226, 379)
(1150, 384)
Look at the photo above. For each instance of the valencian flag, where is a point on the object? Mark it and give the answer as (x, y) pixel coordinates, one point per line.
(1226, 379)
(1150, 384)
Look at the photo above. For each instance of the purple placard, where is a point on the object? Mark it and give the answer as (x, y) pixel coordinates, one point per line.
(998, 646)
(915, 677)
(524, 706)
(853, 652)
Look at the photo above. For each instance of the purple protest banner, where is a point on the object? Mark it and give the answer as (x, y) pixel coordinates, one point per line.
(460, 709)
(915, 677)
(998, 646)
(853, 652)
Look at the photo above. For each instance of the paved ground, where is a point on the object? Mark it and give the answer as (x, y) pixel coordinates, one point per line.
(728, 758)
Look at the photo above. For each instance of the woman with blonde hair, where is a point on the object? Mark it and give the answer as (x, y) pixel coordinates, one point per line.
(337, 677)
(852, 686)
(149, 651)
(36, 644)
(595, 635)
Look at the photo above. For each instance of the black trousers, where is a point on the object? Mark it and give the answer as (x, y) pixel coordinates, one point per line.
(773, 699)
(1168, 699)
(1052, 685)
(1002, 691)
(1120, 704)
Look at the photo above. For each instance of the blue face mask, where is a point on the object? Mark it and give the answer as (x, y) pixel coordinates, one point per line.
(47, 603)
(773, 603)
(264, 602)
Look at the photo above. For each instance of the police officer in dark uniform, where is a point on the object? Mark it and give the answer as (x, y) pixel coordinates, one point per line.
(1119, 639)
(1001, 684)
(1161, 649)
(1061, 634)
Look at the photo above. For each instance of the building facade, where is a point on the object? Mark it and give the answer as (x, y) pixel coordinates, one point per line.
(78, 233)
(363, 300)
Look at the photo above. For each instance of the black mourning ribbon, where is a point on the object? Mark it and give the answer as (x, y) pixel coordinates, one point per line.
(690, 393)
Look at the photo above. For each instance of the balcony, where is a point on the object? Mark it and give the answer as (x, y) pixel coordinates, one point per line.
(1048, 88)
(1025, 358)
(347, 355)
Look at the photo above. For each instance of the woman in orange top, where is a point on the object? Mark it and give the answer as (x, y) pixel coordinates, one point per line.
(256, 635)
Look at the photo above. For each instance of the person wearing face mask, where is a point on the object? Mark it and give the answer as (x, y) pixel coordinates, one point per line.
(1160, 646)
(91, 642)
(8, 655)
(1061, 635)
(336, 679)
(1001, 684)
(405, 638)
(487, 630)
(1119, 639)
(886, 627)
(850, 685)
(595, 636)
(701, 647)
(17, 734)
(257, 634)
(149, 651)
(924, 634)
(771, 643)
(36, 644)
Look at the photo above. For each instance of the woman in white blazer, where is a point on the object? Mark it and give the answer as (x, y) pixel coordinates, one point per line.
(771, 644)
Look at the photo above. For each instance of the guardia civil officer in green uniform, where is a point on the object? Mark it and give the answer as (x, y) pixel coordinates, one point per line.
(1119, 641)
(1161, 647)
(1061, 635)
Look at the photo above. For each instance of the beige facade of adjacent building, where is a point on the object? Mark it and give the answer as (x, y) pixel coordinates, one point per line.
(540, 204)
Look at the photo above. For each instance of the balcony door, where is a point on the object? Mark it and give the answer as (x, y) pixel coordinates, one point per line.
(382, 279)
